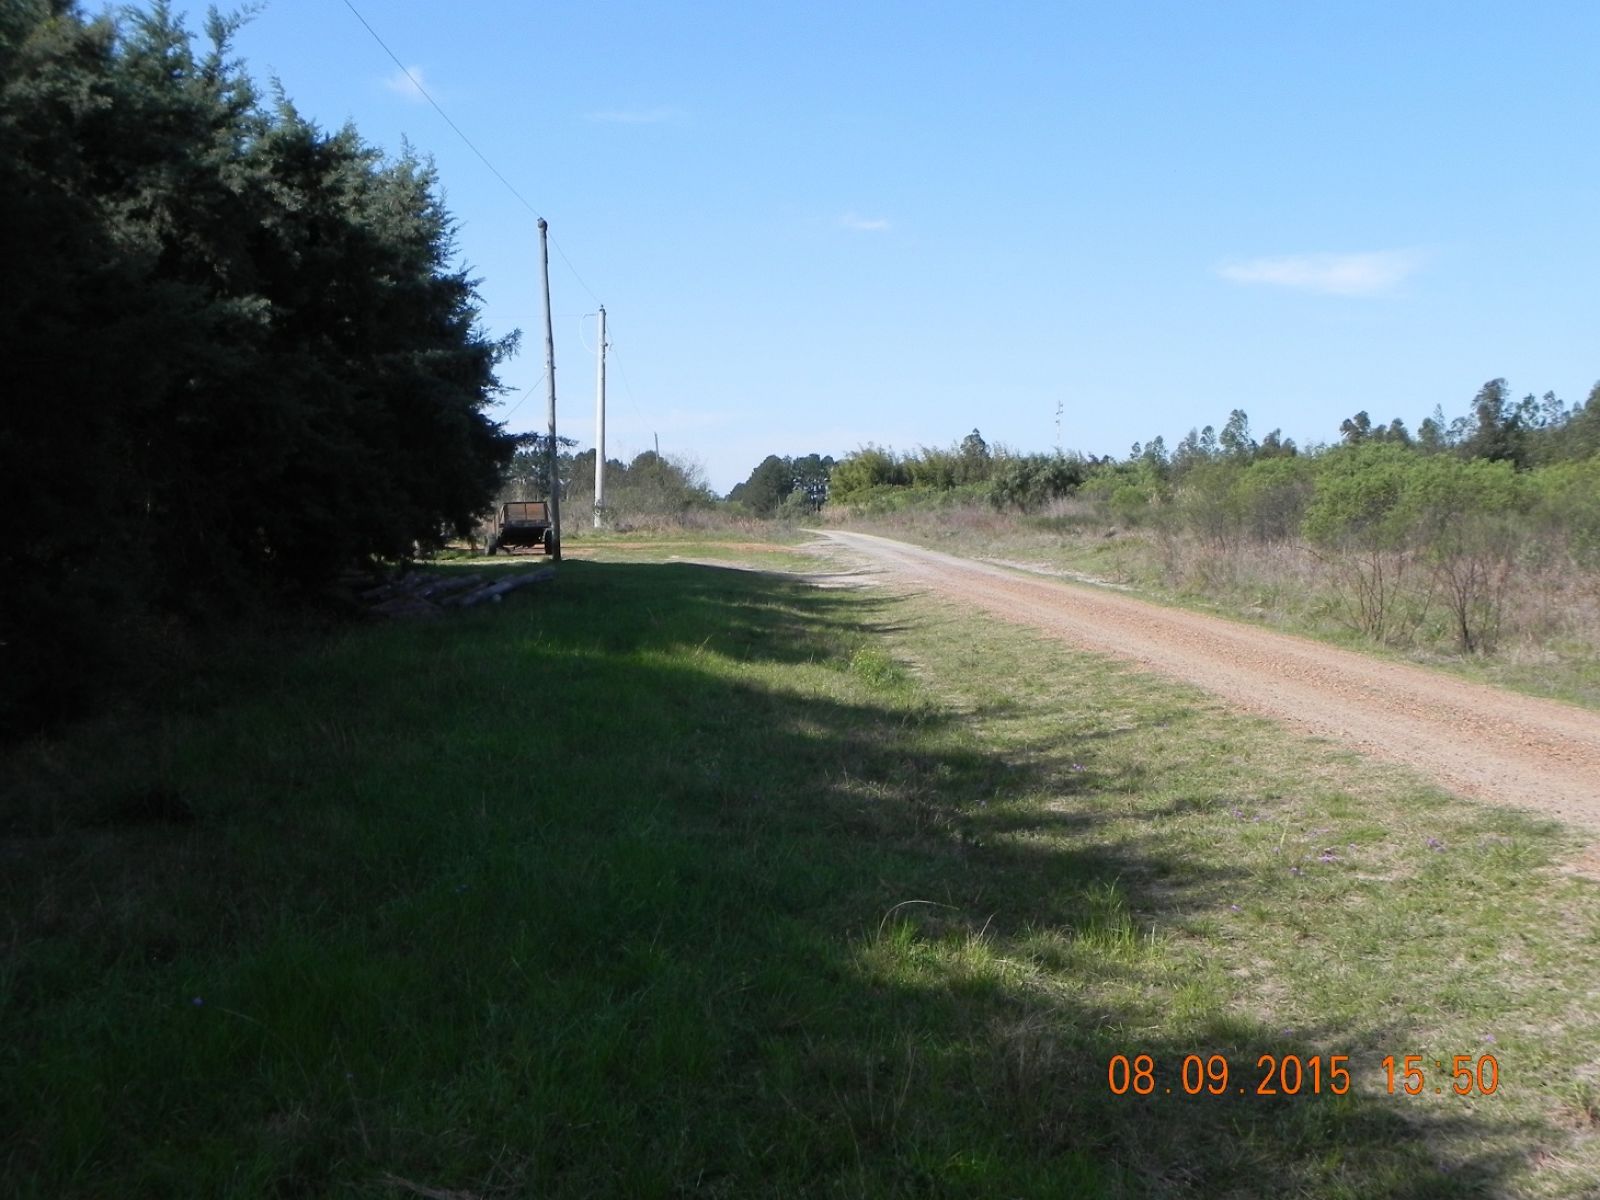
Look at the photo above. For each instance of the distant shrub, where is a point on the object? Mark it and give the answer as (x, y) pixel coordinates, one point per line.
(1028, 482)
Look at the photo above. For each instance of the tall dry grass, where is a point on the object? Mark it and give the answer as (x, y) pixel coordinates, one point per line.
(1543, 633)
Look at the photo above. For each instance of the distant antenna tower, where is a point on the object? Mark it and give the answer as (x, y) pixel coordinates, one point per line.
(1059, 407)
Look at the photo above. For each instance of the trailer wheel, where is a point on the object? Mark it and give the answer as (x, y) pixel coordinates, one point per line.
(550, 541)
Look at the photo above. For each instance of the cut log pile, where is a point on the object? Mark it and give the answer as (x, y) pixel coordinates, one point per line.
(418, 594)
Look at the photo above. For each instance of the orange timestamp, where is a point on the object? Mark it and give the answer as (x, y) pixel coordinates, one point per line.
(1299, 1075)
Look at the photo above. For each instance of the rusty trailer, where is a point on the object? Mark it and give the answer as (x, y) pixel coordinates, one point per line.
(523, 525)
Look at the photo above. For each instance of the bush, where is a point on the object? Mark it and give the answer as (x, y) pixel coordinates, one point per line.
(1130, 491)
(858, 475)
(1028, 482)
(1565, 500)
(1273, 495)
(1357, 520)
(1465, 522)
(1209, 504)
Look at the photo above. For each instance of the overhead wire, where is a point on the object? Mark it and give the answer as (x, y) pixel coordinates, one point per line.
(482, 157)
(627, 387)
(572, 268)
(495, 171)
(423, 92)
(506, 416)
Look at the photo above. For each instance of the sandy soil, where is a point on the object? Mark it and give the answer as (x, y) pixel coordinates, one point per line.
(1475, 740)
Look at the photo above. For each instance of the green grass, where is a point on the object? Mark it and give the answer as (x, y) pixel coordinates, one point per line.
(670, 880)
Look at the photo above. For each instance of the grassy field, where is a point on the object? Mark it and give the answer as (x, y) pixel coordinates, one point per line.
(665, 880)
(1551, 644)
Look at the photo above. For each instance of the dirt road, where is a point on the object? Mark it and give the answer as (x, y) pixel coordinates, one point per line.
(1474, 739)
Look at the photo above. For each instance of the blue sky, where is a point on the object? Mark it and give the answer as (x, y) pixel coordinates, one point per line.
(818, 225)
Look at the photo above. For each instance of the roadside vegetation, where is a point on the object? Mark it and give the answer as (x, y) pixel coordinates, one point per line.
(669, 879)
(1475, 544)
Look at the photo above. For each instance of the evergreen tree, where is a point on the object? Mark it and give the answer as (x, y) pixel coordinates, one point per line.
(769, 483)
(240, 353)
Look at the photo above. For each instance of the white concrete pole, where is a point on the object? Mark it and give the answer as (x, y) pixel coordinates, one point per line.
(600, 425)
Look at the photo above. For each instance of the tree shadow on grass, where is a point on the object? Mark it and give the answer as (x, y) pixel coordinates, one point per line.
(592, 902)
(1002, 1082)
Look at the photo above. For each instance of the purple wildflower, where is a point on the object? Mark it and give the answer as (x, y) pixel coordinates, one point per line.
(1435, 844)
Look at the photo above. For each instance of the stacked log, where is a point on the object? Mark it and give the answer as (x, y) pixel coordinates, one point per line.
(419, 594)
(495, 590)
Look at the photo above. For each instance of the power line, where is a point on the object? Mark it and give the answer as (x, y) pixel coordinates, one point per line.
(495, 171)
(627, 387)
(483, 158)
(417, 83)
(506, 416)
(570, 267)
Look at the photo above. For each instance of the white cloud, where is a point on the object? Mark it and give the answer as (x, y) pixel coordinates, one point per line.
(859, 224)
(407, 83)
(1366, 274)
(636, 116)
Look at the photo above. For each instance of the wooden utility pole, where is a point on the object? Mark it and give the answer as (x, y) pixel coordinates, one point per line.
(550, 374)
(600, 426)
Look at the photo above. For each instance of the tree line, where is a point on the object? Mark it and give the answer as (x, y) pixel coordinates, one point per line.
(795, 486)
(1447, 523)
(1457, 521)
(241, 353)
(650, 485)
(971, 468)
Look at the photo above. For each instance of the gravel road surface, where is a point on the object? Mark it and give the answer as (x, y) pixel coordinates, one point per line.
(1474, 739)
